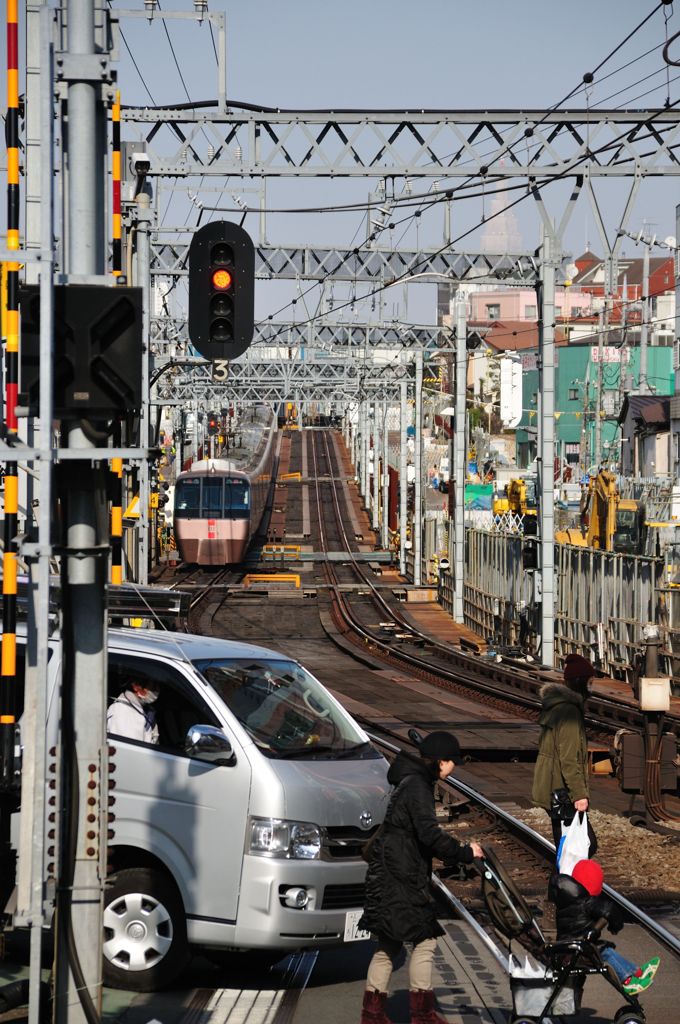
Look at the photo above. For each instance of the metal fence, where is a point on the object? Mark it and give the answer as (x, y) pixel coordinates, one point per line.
(602, 601)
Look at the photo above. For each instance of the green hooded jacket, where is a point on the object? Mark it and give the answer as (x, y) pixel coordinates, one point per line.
(562, 761)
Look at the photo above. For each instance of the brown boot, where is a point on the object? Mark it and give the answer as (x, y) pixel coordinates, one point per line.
(421, 1002)
(373, 1009)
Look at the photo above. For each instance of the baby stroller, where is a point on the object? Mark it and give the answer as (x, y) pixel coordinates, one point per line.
(557, 989)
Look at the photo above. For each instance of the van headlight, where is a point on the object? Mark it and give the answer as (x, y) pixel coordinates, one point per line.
(274, 837)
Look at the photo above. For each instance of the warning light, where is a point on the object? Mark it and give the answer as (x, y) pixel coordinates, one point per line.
(222, 279)
(221, 290)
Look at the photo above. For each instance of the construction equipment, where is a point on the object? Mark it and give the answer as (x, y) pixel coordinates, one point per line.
(520, 497)
(608, 522)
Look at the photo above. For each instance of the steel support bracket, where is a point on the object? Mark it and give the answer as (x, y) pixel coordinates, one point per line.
(86, 67)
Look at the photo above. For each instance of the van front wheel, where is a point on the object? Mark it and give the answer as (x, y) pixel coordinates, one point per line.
(145, 935)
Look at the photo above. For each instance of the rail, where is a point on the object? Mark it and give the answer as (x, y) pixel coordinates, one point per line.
(525, 834)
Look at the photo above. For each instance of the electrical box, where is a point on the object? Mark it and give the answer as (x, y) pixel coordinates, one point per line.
(655, 694)
(633, 763)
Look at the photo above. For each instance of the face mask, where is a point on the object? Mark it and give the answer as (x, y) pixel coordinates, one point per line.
(149, 697)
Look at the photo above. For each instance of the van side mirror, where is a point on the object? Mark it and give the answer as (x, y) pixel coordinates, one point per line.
(206, 743)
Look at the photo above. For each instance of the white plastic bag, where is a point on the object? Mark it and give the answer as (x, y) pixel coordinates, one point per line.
(574, 845)
(528, 969)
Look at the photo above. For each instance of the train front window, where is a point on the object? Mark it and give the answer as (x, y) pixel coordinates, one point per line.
(285, 710)
(236, 497)
(212, 498)
(188, 498)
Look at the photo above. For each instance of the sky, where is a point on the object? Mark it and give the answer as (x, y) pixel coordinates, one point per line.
(445, 54)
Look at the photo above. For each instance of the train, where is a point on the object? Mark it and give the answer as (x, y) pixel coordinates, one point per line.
(218, 507)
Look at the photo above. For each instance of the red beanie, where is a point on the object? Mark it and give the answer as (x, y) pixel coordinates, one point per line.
(589, 874)
(577, 667)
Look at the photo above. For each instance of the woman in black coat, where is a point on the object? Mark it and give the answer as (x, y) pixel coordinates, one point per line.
(398, 907)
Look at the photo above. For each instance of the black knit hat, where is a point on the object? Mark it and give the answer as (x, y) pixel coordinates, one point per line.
(576, 668)
(440, 746)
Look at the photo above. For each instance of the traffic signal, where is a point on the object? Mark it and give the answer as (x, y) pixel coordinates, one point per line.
(221, 290)
(213, 424)
(530, 554)
(97, 359)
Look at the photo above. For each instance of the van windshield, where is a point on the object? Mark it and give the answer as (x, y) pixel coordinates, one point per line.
(286, 710)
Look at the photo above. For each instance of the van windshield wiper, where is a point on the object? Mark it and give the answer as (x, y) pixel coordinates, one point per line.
(307, 751)
(356, 748)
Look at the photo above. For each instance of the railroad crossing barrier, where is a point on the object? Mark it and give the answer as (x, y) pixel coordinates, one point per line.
(272, 577)
(281, 551)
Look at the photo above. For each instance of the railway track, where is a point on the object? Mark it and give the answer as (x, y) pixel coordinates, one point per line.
(527, 857)
(397, 642)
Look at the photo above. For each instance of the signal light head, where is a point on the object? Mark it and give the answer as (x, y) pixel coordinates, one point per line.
(222, 279)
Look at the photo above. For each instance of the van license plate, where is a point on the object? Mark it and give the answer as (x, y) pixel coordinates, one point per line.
(352, 933)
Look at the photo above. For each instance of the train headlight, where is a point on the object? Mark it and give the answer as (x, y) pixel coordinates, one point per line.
(275, 837)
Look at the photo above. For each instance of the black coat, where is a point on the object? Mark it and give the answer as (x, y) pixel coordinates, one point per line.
(577, 911)
(398, 904)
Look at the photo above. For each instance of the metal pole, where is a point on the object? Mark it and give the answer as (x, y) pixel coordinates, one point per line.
(376, 466)
(38, 646)
(418, 483)
(547, 460)
(458, 476)
(598, 390)
(643, 388)
(365, 448)
(143, 280)
(81, 870)
(385, 480)
(403, 475)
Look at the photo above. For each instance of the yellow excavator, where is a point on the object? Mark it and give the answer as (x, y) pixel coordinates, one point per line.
(608, 522)
(520, 498)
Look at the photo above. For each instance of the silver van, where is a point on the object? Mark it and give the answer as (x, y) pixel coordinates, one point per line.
(243, 827)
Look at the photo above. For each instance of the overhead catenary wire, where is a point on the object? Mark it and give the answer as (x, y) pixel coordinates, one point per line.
(448, 193)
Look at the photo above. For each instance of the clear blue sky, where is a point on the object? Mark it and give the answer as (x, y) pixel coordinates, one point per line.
(431, 53)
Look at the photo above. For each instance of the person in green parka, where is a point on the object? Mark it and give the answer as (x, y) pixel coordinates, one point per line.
(560, 783)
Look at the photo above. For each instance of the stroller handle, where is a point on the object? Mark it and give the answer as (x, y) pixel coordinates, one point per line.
(597, 929)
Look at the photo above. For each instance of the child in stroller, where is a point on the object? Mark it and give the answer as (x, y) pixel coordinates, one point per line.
(565, 964)
(580, 905)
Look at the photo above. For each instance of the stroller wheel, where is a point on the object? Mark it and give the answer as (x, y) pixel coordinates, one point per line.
(627, 1016)
(524, 1020)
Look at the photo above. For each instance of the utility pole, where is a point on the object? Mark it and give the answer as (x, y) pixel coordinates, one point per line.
(546, 294)
(83, 750)
(403, 475)
(598, 388)
(457, 471)
(418, 483)
(375, 521)
(644, 388)
(143, 216)
(385, 479)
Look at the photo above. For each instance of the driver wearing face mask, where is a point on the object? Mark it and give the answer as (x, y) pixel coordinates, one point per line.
(132, 714)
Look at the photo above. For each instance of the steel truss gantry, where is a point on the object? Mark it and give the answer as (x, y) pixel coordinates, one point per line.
(364, 263)
(537, 144)
(273, 381)
(320, 337)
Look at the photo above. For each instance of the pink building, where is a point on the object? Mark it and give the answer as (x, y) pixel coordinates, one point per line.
(520, 304)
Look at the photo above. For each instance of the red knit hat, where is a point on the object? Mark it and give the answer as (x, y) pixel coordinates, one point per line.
(589, 874)
(577, 667)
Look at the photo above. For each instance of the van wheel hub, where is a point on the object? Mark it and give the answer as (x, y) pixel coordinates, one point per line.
(138, 931)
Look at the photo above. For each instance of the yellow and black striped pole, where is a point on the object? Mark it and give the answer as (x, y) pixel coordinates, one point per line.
(9, 561)
(117, 521)
(117, 255)
(116, 269)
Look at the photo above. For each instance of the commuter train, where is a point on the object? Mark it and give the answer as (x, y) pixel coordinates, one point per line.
(219, 506)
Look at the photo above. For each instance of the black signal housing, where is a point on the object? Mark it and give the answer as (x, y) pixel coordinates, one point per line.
(221, 290)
